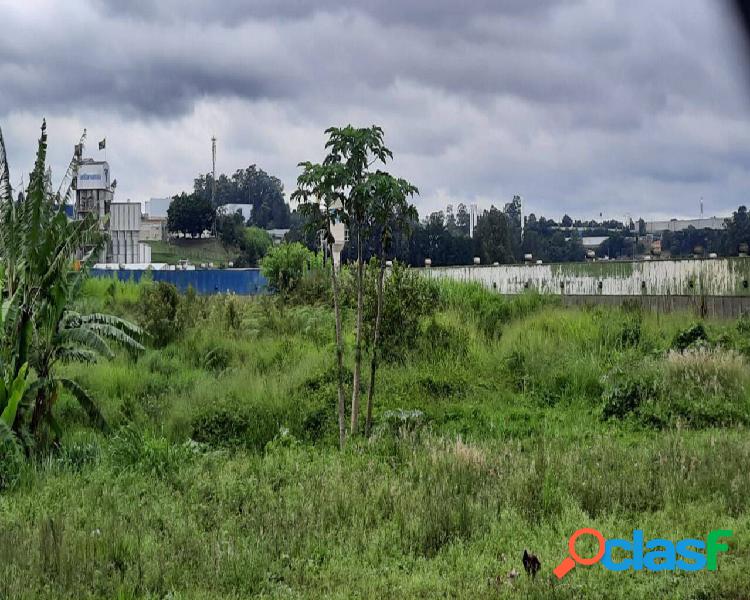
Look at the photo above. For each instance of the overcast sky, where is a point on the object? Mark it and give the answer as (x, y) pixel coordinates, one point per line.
(636, 107)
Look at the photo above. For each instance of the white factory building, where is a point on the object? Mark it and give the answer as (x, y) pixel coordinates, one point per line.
(683, 224)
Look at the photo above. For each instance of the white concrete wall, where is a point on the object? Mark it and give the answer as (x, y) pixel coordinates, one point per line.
(711, 277)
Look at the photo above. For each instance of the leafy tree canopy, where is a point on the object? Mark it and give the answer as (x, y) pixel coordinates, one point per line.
(190, 214)
(249, 186)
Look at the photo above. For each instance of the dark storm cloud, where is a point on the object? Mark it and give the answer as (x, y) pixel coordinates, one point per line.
(133, 57)
(430, 13)
(564, 100)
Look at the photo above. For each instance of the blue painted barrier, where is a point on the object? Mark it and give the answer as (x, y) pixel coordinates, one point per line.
(205, 281)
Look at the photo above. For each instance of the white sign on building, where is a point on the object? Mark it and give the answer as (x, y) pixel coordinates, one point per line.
(93, 176)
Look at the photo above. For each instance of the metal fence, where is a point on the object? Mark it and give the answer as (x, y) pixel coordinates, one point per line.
(204, 281)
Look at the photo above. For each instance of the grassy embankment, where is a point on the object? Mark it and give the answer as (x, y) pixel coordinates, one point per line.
(195, 250)
(222, 478)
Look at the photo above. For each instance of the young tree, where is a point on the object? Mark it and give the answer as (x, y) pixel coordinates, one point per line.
(356, 149)
(390, 211)
(319, 192)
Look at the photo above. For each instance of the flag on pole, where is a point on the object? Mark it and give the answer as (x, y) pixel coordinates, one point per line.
(103, 144)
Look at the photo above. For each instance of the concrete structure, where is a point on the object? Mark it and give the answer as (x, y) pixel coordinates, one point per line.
(124, 229)
(689, 277)
(94, 195)
(682, 224)
(153, 229)
(122, 222)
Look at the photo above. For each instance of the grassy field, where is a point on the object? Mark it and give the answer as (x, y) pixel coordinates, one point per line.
(195, 250)
(508, 424)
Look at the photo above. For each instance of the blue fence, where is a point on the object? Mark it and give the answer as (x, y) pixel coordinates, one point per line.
(204, 281)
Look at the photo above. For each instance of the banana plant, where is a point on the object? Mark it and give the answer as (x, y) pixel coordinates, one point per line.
(11, 393)
(40, 329)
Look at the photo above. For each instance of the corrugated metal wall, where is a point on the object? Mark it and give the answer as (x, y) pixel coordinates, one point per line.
(204, 281)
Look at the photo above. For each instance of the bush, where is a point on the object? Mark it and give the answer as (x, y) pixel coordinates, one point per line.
(159, 304)
(490, 310)
(314, 288)
(407, 299)
(132, 450)
(695, 388)
(286, 264)
(689, 337)
(628, 386)
(254, 244)
(229, 423)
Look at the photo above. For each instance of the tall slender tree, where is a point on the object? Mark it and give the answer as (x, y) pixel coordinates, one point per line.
(319, 192)
(357, 149)
(390, 211)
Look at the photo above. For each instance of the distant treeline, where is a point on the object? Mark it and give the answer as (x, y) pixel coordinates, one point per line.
(444, 238)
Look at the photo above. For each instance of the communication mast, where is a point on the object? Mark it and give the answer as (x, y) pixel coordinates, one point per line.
(213, 171)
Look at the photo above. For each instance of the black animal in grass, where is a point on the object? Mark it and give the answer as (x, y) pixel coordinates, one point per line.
(531, 564)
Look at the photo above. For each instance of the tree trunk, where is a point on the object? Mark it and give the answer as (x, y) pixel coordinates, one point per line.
(339, 358)
(375, 349)
(358, 341)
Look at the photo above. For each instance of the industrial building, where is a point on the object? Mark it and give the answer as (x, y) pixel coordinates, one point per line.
(121, 221)
(153, 229)
(683, 224)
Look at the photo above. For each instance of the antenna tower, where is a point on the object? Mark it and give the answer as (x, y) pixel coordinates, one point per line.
(213, 171)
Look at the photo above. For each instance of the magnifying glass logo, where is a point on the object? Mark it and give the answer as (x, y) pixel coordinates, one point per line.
(570, 561)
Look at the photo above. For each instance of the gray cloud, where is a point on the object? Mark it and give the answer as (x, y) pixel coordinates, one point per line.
(576, 104)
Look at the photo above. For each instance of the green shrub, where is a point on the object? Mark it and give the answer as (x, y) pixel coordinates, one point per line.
(319, 396)
(314, 287)
(231, 423)
(444, 336)
(689, 337)
(131, 449)
(629, 385)
(695, 388)
(407, 299)
(159, 306)
(254, 244)
(490, 310)
(285, 265)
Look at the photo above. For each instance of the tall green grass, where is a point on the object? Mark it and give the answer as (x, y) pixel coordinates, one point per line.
(222, 478)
